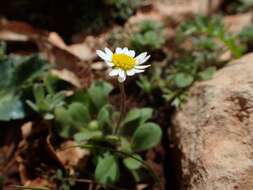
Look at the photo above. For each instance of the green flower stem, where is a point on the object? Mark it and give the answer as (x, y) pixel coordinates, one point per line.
(122, 106)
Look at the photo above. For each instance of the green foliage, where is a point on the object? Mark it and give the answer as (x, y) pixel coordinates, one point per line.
(133, 163)
(65, 182)
(18, 74)
(90, 119)
(77, 115)
(87, 116)
(207, 40)
(149, 37)
(99, 92)
(183, 80)
(107, 169)
(45, 101)
(11, 107)
(212, 28)
(146, 136)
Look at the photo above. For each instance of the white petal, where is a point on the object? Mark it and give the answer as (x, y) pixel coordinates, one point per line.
(109, 64)
(130, 72)
(122, 79)
(140, 57)
(103, 55)
(141, 66)
(118, 50)
(138, 71)
(125, 50)
(131, 53)
(108, 51)
(145, 59)
(122, 73)
(114, 72)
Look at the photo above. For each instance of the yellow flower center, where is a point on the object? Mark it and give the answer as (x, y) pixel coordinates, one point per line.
(123, 61)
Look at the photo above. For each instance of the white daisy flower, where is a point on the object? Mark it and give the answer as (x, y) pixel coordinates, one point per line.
(123, 62)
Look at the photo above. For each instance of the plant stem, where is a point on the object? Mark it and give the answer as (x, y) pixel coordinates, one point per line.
(122, 106)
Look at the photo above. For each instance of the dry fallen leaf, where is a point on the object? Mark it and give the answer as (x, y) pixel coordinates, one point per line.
(52, 46)
(26, 129)
(68, 76)
(72, 156)
(40, 182)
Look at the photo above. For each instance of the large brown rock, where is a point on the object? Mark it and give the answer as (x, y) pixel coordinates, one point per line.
(214, 130)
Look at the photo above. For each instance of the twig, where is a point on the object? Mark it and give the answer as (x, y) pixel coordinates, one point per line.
(29, 187)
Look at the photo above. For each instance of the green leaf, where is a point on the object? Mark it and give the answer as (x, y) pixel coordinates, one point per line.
(87, 135)
(132, 115)
(135, 118)
(81, 97)
(6, 77)
(28, 68)
(39, 92)
(125, 145)
(207, 74)
(133, 163)
(63, 118)
(142, 114)
(107, 169)
(104, 116)
(72, 119)
(16, 71)
(183, 80)
(79, 113)
(11, 107)
(99, 92)
(146, 136)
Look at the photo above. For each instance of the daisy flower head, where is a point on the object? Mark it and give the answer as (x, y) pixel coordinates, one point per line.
(124, 62)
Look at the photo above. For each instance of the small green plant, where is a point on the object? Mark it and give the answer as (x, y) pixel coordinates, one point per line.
(92, 121)
(115, 139)
(149, 37)
(45, 104)
(212, 28)
(207, 40)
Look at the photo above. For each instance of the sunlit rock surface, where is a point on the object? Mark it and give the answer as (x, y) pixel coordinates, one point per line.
(214, 130)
